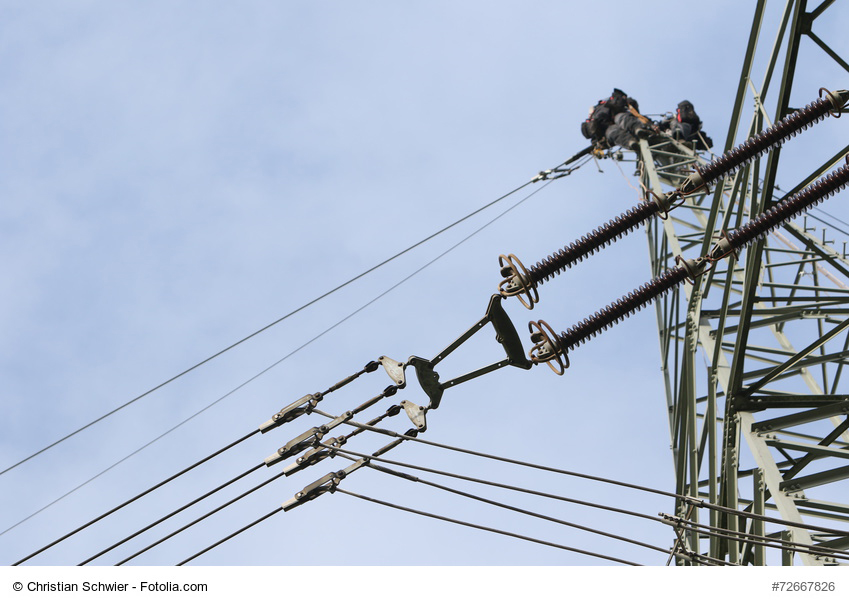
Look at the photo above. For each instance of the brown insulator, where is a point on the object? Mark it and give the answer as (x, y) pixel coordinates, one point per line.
(622, 308)
(788, 208)
(592, 242)
(777, 134)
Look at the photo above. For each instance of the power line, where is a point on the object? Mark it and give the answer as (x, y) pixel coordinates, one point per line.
(138, 496)
(576, 474)
(291, 353)
(495, 484)
(261, 330)
(754, 539)
(230, 536)
(688, 499)
(173, 513)
(486, 528)
(520, 510)
(203, 517)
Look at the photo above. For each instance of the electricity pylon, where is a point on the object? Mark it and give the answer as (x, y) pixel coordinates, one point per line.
(753, 350)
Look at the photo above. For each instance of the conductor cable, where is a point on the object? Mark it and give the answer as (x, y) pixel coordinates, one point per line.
(493, 484)
(302, 346)
(684, 498)
(203, 517)
(468, 495)
(753, 539)
(264, 328)
(138, 496)
(173, 513)
(487, 528)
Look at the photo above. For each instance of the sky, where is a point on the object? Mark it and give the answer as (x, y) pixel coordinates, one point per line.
(178, 175)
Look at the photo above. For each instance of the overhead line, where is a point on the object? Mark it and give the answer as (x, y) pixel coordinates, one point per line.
(487, 528)
(766, 541)
(297, 349)
(261, 330)
(686, 498)
(173, 513)
(230, 536)
(203, 517)
(493, 484)
(520, 510)
(135, 498)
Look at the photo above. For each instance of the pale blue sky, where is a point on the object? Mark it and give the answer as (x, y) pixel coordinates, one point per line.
(176, 175)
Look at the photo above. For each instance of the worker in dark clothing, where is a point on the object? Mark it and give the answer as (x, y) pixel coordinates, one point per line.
(685, 125)
(616, 121)
(626, 129)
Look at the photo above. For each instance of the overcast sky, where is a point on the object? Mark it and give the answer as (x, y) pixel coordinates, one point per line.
(177, 175)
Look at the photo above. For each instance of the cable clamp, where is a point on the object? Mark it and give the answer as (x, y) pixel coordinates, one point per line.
(291, 412)
(310, 437)
(692, 501)
(327, 483)
(541, 176)
(316, 455)
(670, 520)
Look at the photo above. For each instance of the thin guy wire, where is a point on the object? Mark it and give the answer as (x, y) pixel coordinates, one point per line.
(138, 496)
(824, 222)
(173, 513)
(291, 353)
(486, 528)
(263, 329)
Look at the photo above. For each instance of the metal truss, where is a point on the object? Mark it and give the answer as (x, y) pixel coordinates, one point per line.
(754, 351)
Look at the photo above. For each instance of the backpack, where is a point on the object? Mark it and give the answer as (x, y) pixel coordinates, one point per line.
(600, 118)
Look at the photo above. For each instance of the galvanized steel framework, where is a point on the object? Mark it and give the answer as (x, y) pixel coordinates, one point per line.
(754, 350)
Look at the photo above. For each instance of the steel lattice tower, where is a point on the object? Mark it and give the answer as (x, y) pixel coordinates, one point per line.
(753, 351)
